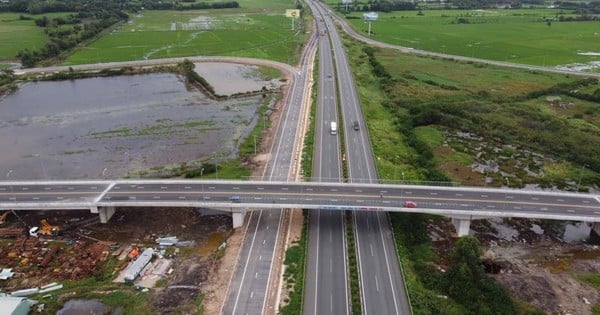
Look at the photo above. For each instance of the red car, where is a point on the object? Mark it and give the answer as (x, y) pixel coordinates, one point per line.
(410, 204)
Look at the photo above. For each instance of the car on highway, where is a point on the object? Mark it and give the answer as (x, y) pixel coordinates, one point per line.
(235, 199)
(355, 125)
(410, 204)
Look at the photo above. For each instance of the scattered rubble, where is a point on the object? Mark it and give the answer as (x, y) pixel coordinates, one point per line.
(36, 264)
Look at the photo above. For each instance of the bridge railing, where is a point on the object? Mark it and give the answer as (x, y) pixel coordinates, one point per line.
(360, 181)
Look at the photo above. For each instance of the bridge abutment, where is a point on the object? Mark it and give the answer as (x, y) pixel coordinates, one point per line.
(596, 228)
(238, 219)
(105, 213)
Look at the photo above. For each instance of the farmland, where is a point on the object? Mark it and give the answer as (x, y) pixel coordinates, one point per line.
(230, 32)
(434, 119)
(16, 34)
(520, 36)
(470, 116)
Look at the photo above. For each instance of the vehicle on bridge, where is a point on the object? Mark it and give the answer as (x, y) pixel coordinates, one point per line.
(235, 199)
(410, 204)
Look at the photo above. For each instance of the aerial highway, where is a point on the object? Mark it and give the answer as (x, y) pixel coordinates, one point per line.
(326, 289)
(249, 289)
(381, 281)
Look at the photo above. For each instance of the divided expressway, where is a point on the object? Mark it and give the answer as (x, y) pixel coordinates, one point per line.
(248, 292)
(326, 278)
(380, 279)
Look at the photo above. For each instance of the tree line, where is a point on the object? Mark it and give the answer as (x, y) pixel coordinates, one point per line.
(592, 7)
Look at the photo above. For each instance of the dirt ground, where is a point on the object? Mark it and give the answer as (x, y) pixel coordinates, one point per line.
(543, 274)
(539, 269)
(84, 246)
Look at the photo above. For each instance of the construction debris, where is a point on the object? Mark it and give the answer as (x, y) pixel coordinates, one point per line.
(51, 288)
(6, 273)
(167, 241)
(14, 232)
(25, 292)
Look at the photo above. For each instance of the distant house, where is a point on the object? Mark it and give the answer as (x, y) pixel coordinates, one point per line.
(10, 305)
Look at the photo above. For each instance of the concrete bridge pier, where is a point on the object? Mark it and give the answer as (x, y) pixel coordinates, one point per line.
(596, 229)
(237, 217)
(461, 225)
(105, 213)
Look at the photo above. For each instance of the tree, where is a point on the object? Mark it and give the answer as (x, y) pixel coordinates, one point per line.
(467, 283)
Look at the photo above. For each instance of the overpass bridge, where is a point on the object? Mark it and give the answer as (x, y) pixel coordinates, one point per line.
(462, 204)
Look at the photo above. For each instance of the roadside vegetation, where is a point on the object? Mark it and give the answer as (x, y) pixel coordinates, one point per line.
(433, 119)
(355, 301)
(295, 265)
(7, 81)
(593, 280)
(295, 256)
(537, 36)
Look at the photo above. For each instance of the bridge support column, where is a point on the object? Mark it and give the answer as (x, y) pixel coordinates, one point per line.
(596, 229)
(105, 213)
(461, 225)
(238, 219)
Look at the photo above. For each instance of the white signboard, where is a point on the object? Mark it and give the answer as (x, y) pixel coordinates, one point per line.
(293, 13)
(371, 16)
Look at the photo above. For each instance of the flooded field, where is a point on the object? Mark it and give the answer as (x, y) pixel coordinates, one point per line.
(106, 127)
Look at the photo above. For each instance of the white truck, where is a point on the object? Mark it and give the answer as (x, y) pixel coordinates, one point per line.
(333, 128)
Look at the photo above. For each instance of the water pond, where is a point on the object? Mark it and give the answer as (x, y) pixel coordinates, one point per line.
(106, 127)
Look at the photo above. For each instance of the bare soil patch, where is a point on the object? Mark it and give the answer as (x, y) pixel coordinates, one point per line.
(537, 268)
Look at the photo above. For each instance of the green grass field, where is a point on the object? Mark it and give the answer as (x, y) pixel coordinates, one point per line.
(260, 30)
(519, 36)
(494, 98)
(18, 34)
(485, 100)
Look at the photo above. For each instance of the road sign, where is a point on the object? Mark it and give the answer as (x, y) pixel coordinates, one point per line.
(371, 16)
(293, 13)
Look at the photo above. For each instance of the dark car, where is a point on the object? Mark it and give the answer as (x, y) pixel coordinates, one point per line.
(355, 125)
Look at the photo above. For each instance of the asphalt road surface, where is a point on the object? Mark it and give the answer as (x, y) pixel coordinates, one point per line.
(381, 282)
(326, 276)
(249, 290)
(275, 195)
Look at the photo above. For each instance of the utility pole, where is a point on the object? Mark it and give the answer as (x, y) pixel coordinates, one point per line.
(216, 164)
(581, 176)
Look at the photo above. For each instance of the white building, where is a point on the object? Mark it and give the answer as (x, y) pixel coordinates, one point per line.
(133, 271)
